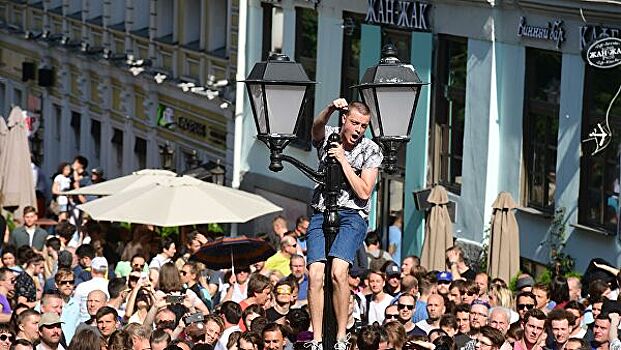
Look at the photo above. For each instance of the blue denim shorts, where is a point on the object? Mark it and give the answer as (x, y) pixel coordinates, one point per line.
(352, 230)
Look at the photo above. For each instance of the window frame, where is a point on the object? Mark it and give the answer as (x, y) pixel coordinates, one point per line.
(444, 98)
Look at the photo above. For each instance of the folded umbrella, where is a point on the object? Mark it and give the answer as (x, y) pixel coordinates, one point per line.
(238, 252)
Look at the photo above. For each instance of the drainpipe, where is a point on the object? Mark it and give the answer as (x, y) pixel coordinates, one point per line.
(239, 98)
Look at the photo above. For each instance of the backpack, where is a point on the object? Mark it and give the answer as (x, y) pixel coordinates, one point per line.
(376, 263)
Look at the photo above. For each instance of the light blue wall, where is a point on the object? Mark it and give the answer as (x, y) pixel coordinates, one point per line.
(370, 53)
(417, 149)
(510, 60)
(471, 203)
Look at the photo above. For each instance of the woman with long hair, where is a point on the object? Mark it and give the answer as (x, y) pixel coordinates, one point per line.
(169, 283)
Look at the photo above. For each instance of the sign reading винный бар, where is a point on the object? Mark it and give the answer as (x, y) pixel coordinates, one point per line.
(405, 14)
(554, 31)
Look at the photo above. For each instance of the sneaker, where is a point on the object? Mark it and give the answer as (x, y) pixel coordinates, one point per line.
(342, 344)
(313, 345)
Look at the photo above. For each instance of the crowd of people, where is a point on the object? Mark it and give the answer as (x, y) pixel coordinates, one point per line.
(114, 291)
(88, 285)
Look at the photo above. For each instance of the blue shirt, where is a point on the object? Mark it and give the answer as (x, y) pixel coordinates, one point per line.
(394, 238)
(420, 312)
(303, 289)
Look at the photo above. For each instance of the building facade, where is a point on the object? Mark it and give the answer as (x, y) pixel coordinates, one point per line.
(511, 101)
(116, 80)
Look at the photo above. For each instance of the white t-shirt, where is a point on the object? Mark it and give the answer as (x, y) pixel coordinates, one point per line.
(158, 261)
(64, 183)
(376, 309)
(82, 290)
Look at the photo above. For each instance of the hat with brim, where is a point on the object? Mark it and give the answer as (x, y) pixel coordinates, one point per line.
(49, 319)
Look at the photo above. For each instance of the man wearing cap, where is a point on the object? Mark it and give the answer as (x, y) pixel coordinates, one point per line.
(99, 269)
(525, 283)
(393, 280)
(97, 175)
(50, 332)
(444, 281)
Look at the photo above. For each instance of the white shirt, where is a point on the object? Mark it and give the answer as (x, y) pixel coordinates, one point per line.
(31, 231)
(425, 326)
(82, 290)
(224, 338)
(64, 183)
(158, 261)
(376, 309)
(42, 346)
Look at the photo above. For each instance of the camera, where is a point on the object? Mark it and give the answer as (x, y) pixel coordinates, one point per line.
(194, 318)
(174, 298)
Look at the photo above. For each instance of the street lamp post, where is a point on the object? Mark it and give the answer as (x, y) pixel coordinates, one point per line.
(278, 88)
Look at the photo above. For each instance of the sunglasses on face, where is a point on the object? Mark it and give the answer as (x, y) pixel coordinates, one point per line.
(166, 325)
(5, 337)
(139, 266)
(390, 316)
(66, 283)
(183, 273)
(403, 306)
(525, 306)
(468, 293)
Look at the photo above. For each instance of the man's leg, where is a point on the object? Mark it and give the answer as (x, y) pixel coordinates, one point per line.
(316, 273)
(341, 294)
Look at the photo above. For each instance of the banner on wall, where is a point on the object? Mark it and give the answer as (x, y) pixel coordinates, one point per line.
(165, 117)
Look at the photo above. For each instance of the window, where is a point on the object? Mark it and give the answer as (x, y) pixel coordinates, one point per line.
(273, 24)
(140, 152)
(401, 39)
(117, 12)
(450, 107)
(141, 14)
(350, 63)
(96, 140)
(541, 109)
(164, 23)
(17, 97)
(117, 150)
(599, 178)
(192, 23)
(76, 126)
(306, 54)
(217, 22)
(3, 110)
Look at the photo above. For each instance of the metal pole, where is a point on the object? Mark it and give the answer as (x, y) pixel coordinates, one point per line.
(332, 190)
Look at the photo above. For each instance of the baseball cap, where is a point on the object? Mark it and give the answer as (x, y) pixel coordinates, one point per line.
(99, 263)
(525, 281)
(393, 270)
(98, 171)
(444, 276)
(49, 318)
(356, 272)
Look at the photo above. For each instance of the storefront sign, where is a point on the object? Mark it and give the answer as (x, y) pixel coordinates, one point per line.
(191, 126)
(590, 33)
(406, 14)
(554, 31)
(604, 53)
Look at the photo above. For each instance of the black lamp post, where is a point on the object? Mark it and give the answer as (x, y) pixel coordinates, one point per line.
(278, 89)
(192, 161)
(166, 156)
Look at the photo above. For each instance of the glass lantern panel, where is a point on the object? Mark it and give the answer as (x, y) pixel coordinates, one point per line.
(283, 106)
(369, 99)
(259, 106)
(396, 107)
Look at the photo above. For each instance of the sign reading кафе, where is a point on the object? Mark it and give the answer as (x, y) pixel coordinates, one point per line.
(404, 14)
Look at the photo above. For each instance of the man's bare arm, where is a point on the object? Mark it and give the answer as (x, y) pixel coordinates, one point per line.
(318, 132)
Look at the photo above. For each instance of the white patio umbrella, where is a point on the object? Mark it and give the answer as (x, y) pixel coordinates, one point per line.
(136, 179)
(16, 182)
(179, 201)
